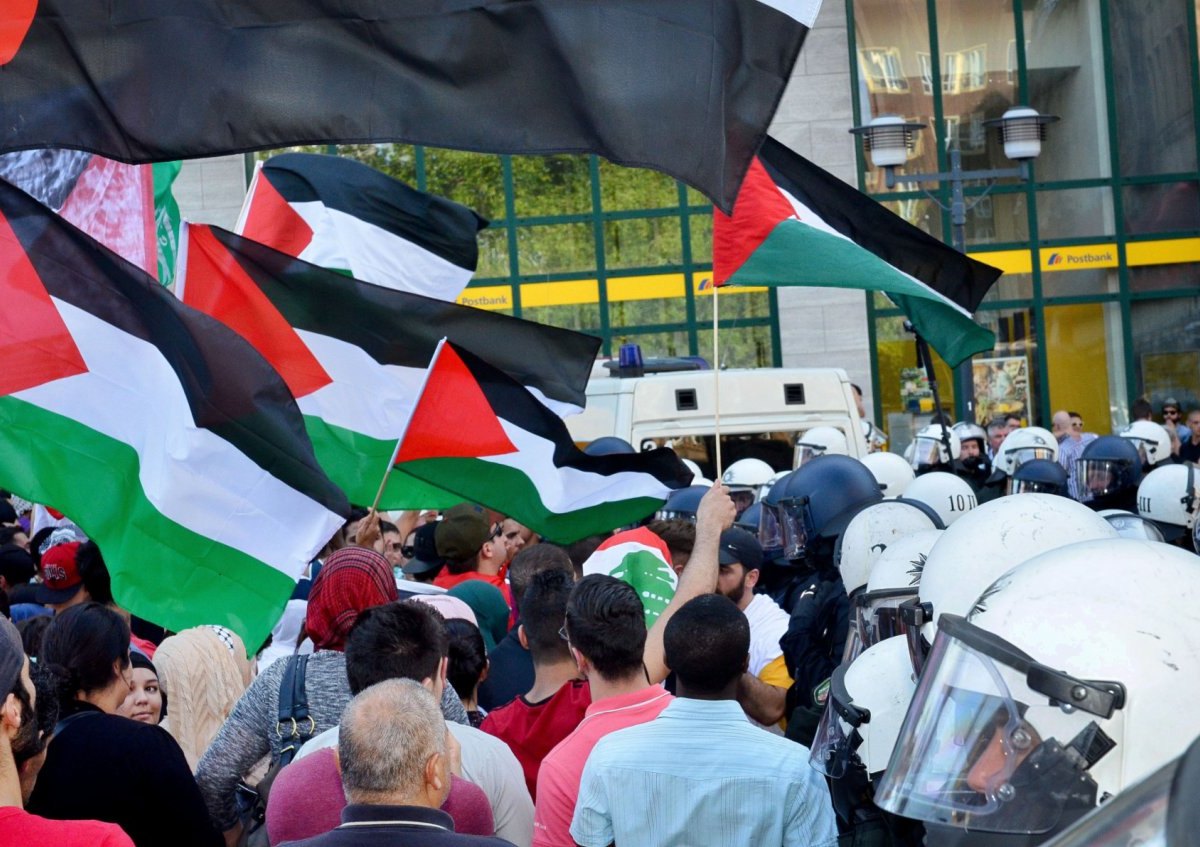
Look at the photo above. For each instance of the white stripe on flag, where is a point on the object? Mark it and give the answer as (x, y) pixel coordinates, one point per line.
(192, 476)
(564, 490)
(372, 254)
(805, 11)
(365, 397)
(811, 218)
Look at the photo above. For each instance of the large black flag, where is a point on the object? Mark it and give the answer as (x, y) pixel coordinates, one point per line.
(687, 87)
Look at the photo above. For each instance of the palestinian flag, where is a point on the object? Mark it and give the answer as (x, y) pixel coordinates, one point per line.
(477, 432)
(163, 435)
(687, 87)
(641, 558)
(354, 354)
(795, 224)
(345, 216)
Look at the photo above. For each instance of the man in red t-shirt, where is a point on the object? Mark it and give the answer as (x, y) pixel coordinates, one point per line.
(22, 751)
(472, 549)
(535, 722)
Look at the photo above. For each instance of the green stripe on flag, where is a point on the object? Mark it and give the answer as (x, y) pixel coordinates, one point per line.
(93, 479)
(166, 218)
(356, 463)
(487, 482)
(797, 254)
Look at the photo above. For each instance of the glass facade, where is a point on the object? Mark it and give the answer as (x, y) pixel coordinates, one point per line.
(574, 241)
(1100, 301)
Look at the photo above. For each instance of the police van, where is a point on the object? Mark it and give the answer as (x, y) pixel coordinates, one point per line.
(764, 412)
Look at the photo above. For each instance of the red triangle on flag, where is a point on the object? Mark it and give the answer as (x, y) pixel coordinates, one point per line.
(453, 418)
(35, 345)
(216, 284)
(758, 210)
(271, 220)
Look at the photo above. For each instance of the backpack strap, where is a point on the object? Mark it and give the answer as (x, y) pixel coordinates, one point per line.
(294, 724)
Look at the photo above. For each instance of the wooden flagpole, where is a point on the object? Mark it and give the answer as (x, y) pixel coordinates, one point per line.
(716, 384)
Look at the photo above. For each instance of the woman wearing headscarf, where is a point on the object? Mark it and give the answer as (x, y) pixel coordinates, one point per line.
(101, 766)
(353, 579)
(204, 670)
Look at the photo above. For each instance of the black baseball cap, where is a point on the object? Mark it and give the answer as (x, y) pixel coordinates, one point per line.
(740, 547)
(425, 555)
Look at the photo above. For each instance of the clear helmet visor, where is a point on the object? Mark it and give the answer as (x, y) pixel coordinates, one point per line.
(1098, 477)
(980, 750)
(742, 497)
(1135, 526)
(1020, 455)
(927, 451)
(879, 617)
(675, 515)
(1032, 486)
(795, 533)
(837, 736)
(770, 527)
(806, 453)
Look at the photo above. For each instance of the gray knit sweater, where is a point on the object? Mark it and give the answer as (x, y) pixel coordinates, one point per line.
(249, 733)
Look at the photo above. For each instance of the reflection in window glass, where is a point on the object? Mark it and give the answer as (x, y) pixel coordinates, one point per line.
(551, 185)
(493, 253)
(1066, 77)
(1075, 213)
(1166, 348)
(1075, 283)
(895, 73)
(921, 212)
(473, 179)
(580, 316)
(1155, 105)
(974, 41)
(642, 242)
(653, 344)
(997, 219)
(624, 314)
(1161, 207)
(635, 188)
(1009, 286)
(1164, 278)
(735, 305)
(740, 347)
(556, 248)
(701, 231)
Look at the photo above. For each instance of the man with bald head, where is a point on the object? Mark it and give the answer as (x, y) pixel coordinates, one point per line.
(395, 763)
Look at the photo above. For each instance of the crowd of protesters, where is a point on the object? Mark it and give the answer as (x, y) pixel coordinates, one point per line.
(452, 678)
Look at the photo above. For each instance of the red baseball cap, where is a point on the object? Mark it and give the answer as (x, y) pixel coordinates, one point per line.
(60, 574)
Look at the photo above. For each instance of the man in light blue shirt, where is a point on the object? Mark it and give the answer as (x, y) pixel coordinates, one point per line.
(701, 773)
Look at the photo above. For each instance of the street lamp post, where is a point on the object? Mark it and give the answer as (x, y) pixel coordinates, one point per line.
(889, 139)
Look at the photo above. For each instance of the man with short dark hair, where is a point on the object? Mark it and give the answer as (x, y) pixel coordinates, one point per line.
(395, 767)
(680, 538)
(701, 773)
(511, 666)
(606, 632)
(555, 704)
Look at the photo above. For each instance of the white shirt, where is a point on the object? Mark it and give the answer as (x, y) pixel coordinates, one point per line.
(487, 762)
(768, 623)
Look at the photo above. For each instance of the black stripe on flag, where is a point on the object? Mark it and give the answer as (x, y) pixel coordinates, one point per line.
(510, 401)
(231, 389)
(443, 227)
(401, 328)
(687, 87)
(877, 229)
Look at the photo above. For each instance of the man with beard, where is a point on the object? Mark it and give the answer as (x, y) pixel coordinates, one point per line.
(22, 750)
(766, 679)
